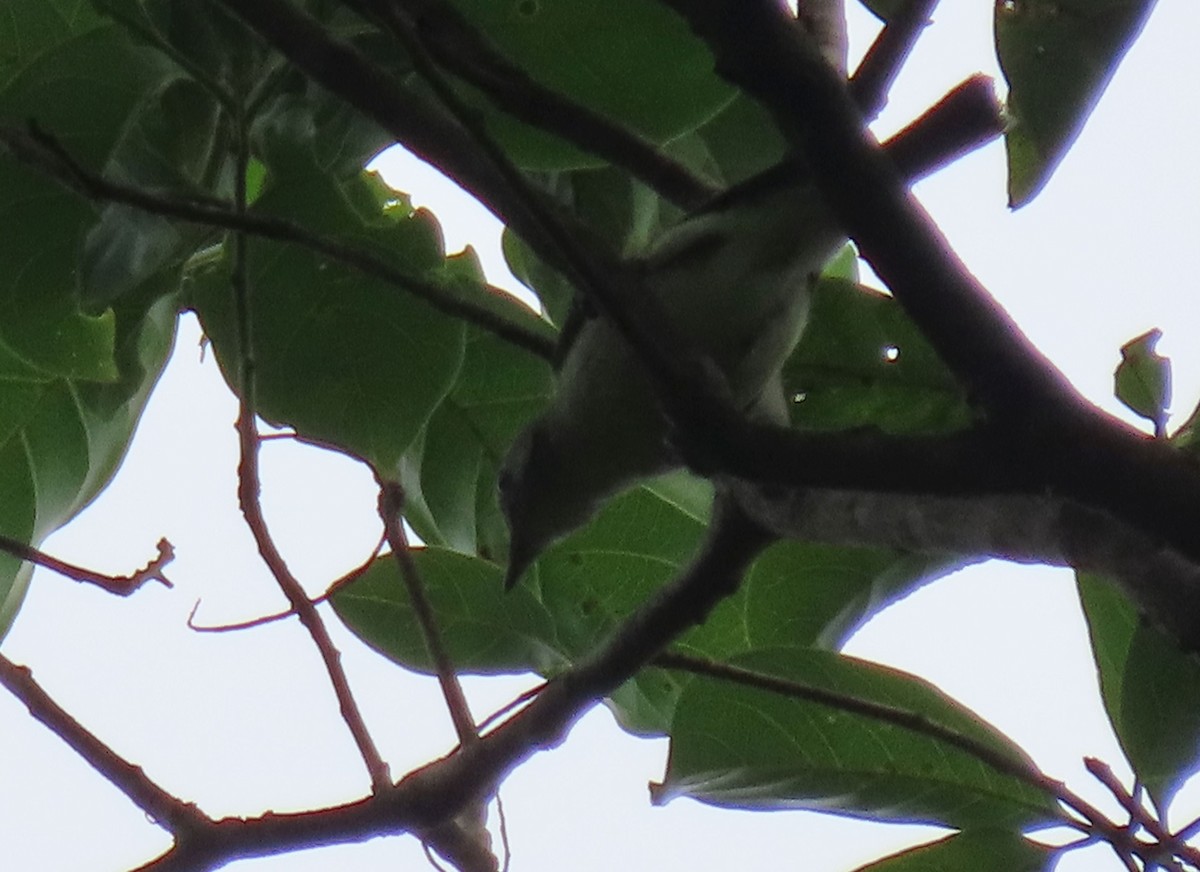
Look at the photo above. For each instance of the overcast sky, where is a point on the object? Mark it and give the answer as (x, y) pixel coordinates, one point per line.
(244, 722)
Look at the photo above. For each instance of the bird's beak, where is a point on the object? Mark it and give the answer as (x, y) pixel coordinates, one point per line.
(520, 556)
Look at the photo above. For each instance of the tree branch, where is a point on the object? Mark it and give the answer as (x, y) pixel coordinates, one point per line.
(38, 149)
(461, 49)
(872, 81)
(1072, 447)
(249, 491)
(121, 585)
(160, 806)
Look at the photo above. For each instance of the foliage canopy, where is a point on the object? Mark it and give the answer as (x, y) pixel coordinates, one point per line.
(208, 156)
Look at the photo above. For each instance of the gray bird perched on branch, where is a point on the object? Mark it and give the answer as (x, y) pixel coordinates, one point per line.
(734, 278)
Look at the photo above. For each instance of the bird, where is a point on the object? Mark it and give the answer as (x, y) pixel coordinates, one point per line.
(734, 278)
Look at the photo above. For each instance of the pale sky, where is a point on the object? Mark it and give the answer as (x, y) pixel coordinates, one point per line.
(244, 722)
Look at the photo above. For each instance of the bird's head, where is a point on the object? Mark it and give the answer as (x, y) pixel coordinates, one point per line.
(541, 497)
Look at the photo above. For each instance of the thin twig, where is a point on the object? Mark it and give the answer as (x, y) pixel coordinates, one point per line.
(391, 509)
(515, 703)
(871, 82)
(165, 809)
(1169, 844)
(39, 149)
(121, 585)
(249, 489)
(1188, 830)
(348, 578)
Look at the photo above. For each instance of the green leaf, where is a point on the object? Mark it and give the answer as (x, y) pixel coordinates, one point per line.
(40, 316)
(633, 61)
(603, 571)
(30, 27)
(72, 384)
(62, 441)
(1058, 57)
(596, 577)
(449, 474)
(575, 596)
(740, 140)
(165, 147)
(976, 850)
(1151, 689)
(861, 362)
(739, 747)
(808, 593)
(1142, 380)
(341, 357)
(486, 629)
(552, 288)
(885, 9)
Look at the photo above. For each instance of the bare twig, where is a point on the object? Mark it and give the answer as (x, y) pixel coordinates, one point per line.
(871, 82)
(121, 585)
(391, 508)
(169, 812)
(512, 705)
(249, 492)
(1166, 845)
(462, 839)
(348, 578)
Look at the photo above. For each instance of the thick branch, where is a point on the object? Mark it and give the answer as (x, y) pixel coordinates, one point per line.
(1026, 528)
(1072, 447)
